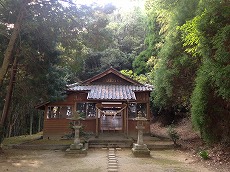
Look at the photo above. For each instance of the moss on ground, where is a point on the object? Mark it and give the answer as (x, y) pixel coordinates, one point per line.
(51, 142)
(21, 139)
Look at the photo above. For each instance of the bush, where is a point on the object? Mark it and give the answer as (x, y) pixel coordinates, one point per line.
(204, 154)
(173, 135)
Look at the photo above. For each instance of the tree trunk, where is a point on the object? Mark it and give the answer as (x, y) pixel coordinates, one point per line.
(39, 122)
(9, 93)
(10, 48)
(12, 123)
(8, 100)
(31, 123)
(10, 130)
(7, 60)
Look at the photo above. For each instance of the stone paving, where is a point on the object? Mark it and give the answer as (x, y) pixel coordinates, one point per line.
(99, 160)
(112, 160)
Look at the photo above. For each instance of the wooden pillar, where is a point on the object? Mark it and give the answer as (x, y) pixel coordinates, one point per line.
(148, 110)
(45, 122)
(124, 120)
(97, 123)
(127, 121)
(148, 116)
(39, 121)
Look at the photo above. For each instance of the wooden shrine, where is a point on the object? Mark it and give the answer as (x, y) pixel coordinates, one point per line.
(108, 102)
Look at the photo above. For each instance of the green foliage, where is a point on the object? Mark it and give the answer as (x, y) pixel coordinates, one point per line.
(140, 63)
(173, 70)
(41, 75)
(207, 35)
(204, 154)
(140, 78)
(151, 41)
(163, 90)
(116, 58)
(191, 35)
(189, 42)
(123, 36)
(173, 135)
(199, 101)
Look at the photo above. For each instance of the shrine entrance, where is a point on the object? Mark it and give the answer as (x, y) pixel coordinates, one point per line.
(111, 117)
(111, 120)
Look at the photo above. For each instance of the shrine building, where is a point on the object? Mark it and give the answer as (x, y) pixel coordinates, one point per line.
(108, 102)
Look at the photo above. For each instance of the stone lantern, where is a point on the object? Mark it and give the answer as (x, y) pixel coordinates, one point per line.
(77, 146)
(139, 148)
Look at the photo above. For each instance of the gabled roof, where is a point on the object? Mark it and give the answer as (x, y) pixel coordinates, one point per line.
(41, 106)
(111, 92)
(107, 91)
(109, 71)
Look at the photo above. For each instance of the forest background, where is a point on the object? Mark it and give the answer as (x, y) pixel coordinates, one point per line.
(181, 47)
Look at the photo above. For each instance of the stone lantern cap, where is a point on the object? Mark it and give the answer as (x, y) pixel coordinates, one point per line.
(76, 117)
(140, 117)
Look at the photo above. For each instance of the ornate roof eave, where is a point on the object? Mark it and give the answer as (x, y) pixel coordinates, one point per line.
(111, 92)
(42, 105)
(108, 71)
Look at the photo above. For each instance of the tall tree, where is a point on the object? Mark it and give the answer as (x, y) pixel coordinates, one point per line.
(208, 36)
(173, 69)
(193, 50)
(119, 38)
(16, 29)
(45, 25)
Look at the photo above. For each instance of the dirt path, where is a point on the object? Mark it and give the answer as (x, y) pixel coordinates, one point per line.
(14, 160)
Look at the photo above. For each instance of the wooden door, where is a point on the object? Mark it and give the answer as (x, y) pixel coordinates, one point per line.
(110, 120)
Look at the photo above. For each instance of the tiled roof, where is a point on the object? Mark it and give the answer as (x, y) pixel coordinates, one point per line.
(111, 92)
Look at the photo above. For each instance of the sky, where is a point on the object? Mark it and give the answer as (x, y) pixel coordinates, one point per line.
(118, 3)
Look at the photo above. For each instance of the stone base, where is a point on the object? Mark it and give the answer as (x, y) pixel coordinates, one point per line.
(76, 146)
(139, 147)
(140, 150)
(76, 152)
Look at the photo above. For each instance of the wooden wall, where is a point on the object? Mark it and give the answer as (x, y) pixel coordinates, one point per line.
(56, 128)
(132, 127)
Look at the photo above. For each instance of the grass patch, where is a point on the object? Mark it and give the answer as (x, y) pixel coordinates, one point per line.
(51, 142)
(87, 170)
(166, 162)
(21, 139)
(34, 140)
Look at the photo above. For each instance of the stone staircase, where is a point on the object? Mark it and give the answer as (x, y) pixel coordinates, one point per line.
(112, 161)
(111, 141)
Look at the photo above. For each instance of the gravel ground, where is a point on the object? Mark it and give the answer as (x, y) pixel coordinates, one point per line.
(15, 160)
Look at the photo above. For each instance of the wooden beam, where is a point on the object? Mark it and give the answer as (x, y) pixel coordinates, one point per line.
(127, 120)
(97, 123)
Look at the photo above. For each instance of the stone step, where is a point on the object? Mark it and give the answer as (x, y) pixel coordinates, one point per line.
(111, 155)
(103, 145)
(112, 160)
(113, 167)
(110, 142)
(112, 170)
